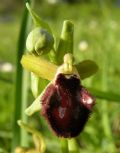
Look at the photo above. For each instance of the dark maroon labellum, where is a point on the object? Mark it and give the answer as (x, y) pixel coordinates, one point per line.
(67, 105)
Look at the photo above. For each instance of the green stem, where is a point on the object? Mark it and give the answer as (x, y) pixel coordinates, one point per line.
(19, 84)
(24, 135)
(64, 146)
(73, 146)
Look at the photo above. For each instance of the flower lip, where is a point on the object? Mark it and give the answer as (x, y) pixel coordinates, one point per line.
(87, 99)
(64, 105)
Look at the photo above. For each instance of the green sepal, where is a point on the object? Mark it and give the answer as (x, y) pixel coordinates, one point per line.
(86, 68)
(36, 105)
(37, 136)
(66, 41)
(37, 20)
(39, 66)
(47, 70)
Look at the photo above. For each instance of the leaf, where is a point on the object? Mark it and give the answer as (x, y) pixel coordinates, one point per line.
(86, 68)
(66, 41)
(110, 96)
(37, 20)
(20, 86)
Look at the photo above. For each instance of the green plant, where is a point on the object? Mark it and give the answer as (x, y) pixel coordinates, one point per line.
(38, 65)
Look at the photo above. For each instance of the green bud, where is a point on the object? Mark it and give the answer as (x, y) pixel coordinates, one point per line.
(40, 41)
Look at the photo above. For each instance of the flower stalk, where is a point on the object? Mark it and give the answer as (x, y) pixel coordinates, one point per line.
(73, 146)
(64, 145)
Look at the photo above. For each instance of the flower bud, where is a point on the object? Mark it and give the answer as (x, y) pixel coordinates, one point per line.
(40, 41)
(66, 105)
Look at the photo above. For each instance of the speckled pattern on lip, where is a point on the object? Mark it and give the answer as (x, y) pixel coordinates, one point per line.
(67, 105)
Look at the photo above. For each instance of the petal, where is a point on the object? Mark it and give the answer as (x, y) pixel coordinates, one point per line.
(63, 107)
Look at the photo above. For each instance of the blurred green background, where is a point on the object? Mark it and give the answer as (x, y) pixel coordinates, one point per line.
(97, 37)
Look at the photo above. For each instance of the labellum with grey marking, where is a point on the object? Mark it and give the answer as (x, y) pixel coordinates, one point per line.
(66, 105)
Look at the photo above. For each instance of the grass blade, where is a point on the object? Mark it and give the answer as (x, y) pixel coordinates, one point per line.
(18, 83)
(109, 96)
